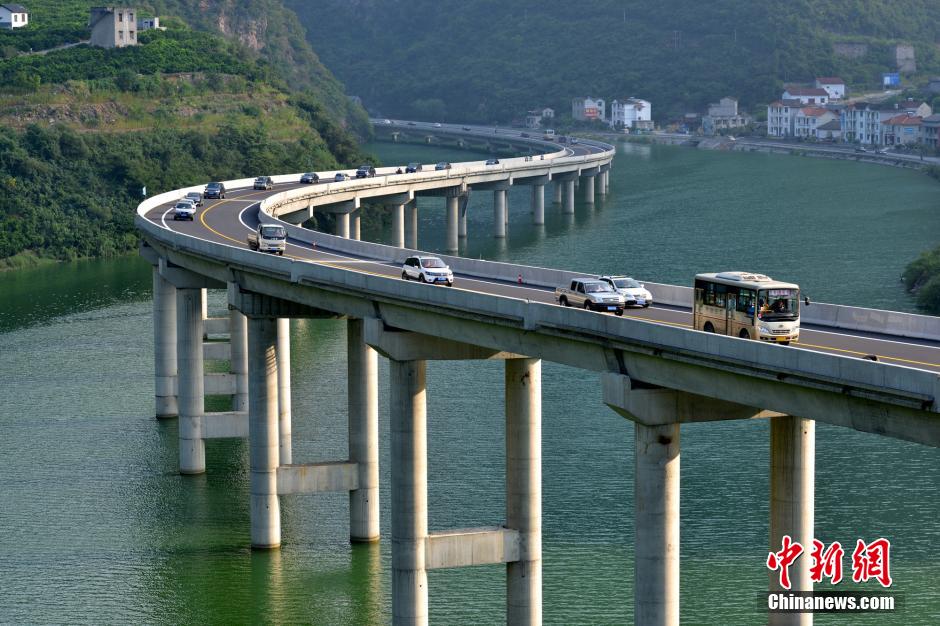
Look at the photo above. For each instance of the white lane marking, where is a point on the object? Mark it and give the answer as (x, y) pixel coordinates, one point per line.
(163, 217)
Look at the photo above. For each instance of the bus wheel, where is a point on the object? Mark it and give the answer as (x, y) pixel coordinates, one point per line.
(709, 328)
(744, 334)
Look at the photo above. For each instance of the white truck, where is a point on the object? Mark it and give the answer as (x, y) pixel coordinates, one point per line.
(269, 238)
(591, 294)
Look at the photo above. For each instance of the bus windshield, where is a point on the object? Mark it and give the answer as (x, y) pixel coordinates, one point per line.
(779, 304)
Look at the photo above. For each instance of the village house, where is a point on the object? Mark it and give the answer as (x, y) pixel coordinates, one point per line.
(806, 95)
(632, 113)
(861, 123)
(830, 131)
(930, 131)
(723, 115)
(780, 117)
(113, 27)
(807, 121)
(902, 129)
(534, 118)
(833, 86)
(13, 16)
(588, 109)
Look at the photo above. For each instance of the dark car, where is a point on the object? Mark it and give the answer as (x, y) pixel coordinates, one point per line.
(365, 171)
(466, 127)
(310, 178)
(492, 161)
(340, 177)
(264, 182)
(411, 123)
(214, 190)
(524, 134)
(411, 168)
(443, 165)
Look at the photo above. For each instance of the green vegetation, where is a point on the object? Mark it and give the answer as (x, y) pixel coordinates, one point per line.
(83, 129)
(922, 276)
(492, 60)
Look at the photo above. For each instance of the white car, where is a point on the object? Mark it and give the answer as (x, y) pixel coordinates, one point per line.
(427, 269)
(634, 293)
(184, 210)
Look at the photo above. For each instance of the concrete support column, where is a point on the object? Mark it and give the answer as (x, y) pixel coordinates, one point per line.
(453, 217)
(569, 198)
(205, 303)
(398, 225)
(524, 489)
(191, 386)
(238, 333)
(262, 432)
(283, 391)
(462, 224)
(559, 185)
(409, 491)
(363, 402)
(411, 225)
(602, 184)
(164, 346)
(499, 213)
(792, 502)
(538, 204)
(607, 181)
(355, 224)
(656, 510)
(589, 189)
(341, 228)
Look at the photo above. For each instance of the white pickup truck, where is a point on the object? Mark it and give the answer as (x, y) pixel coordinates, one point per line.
(269, 238)
(591, 294)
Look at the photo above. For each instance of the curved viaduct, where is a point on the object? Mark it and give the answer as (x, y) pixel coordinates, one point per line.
(654, 369)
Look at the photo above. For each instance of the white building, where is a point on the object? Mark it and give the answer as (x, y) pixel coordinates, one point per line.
(535, 117)
(861, 123)
(631, 113)
(833, 85)
(780, 117)
(13, 16)
(149, 23)
(588, 109)
(806, 95)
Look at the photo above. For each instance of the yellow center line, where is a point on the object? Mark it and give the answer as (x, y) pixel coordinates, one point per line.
(344, 265)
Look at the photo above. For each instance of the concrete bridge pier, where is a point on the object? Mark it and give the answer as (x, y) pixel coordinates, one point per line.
(363, 416)
(524, 489)
(499, 213)
(559, 191)
(341, 226)
(538, 204)
(603, 183)
(191, 391)
(264, 455)
(409, 491)
(355, 230)
(453, 217)
(589, 188)
(164, 346)
(657, 413)
(569, 197)
(463, 208)
(411, 225)
(238, 332)
(398, 225)
(283, 391)
(792, 506)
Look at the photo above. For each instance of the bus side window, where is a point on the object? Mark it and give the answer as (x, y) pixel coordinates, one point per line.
(746, 302)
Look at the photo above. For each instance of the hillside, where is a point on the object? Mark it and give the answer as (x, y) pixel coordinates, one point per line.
(84, 129)
(490, 60)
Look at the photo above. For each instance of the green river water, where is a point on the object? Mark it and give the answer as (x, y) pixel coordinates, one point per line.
(97, 526)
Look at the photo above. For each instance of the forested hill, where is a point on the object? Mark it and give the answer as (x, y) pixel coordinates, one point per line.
(490, 59)
(83, 130)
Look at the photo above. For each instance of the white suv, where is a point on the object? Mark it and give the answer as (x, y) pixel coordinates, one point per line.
(427, 269)
(185, 209)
